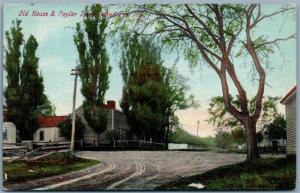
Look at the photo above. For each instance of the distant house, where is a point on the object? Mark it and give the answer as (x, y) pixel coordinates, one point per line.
(9, 130)
(290, 110)
(48, 130)
(116, 122)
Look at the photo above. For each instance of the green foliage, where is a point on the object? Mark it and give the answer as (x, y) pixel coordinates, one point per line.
(24, 94)
(47, 108)
(151, 93)
(143, 91)
(65, 128)
(181, 136)
(94, 69)
(113, 135)
(224, 140)
(276, 129)
(221, 118)
(239, 135)
(95, 116)
(259, 137)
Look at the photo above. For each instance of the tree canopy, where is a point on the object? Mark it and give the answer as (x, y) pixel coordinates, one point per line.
(215, 34)
(151, 93)
(222, 119)
(276, 129)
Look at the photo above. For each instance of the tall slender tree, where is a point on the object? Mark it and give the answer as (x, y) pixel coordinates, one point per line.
(31, 87)
(12, 67)
(24, 93)
(94, 70)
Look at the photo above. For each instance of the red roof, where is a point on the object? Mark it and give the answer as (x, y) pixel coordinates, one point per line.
(288, 95)
(51, 121)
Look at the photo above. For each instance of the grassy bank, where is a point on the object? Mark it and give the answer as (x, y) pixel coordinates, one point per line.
(263, 174)
(182, 136)
(53, 164)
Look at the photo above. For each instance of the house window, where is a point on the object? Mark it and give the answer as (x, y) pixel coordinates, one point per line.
(41, 135)
(4, 134)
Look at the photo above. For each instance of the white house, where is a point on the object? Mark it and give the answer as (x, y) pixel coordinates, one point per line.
(9, 132)
(48, 130)
(290, 110)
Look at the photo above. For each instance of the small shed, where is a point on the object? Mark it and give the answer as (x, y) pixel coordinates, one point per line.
(289, 100)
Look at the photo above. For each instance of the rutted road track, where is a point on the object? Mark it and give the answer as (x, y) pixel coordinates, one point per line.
(132, 170)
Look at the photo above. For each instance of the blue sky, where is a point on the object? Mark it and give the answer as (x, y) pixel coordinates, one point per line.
(58, 56)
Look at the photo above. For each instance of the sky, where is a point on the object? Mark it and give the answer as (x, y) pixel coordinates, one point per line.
(58, 55)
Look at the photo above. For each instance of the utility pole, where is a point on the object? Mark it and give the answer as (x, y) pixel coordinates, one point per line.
(76, 73)
(198, 123)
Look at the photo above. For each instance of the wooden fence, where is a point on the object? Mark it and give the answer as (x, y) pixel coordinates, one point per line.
(269, 149)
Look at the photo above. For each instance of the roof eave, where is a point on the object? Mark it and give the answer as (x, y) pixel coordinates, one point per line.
(288, 96)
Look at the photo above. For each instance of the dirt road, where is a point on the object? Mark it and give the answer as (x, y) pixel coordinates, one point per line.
(133, 170)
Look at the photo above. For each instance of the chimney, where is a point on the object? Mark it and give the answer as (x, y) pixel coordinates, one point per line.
(111, 104)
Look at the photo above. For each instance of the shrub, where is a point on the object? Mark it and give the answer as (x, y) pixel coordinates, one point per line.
(65, 128)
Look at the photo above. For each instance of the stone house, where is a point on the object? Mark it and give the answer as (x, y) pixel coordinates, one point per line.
(289, 100)
(116, 122)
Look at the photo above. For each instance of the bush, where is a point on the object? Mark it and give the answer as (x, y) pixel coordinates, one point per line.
(113, 135)
(224, 140)
(65, 128)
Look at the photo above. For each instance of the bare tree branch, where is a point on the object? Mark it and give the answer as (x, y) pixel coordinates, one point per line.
(275, 41)
(259, 17)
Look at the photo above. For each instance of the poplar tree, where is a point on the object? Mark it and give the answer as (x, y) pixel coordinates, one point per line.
(89, 39)
(31, 88)
(14, 39)
(24, 94)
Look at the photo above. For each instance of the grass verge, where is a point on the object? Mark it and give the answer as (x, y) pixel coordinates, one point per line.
(54, 164)
(263, 174)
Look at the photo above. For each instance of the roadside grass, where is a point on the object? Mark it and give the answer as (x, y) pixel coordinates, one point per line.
(182, 136)
(54, 164)
(264, 174)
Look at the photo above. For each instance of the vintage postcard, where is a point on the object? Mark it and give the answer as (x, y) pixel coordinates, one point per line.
(149, 97)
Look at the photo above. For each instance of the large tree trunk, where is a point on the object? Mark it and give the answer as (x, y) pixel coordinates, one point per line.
(252, 150)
